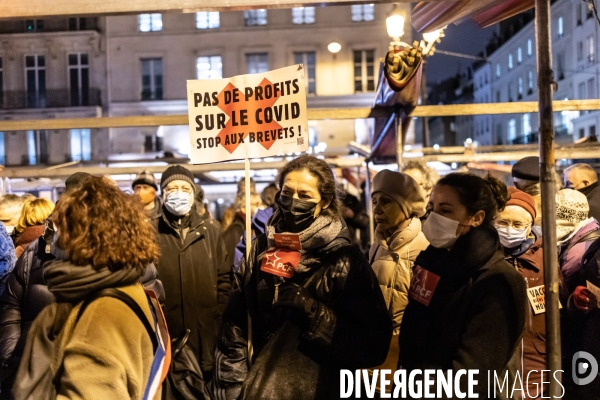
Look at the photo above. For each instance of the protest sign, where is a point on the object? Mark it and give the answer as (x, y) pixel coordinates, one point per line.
(248, 116)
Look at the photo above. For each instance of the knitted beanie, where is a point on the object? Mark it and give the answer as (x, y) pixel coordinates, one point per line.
(527, 168)
(403, 189)
(571, 206)
(145, 178)
(519, 198)
(174, 173)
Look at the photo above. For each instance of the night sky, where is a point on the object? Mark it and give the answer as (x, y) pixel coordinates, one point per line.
(466, 38)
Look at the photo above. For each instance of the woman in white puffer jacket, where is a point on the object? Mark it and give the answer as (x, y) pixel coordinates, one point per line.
(398, 202)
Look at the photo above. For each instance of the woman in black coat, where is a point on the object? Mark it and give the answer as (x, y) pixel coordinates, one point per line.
(467, 304)
(329, 315)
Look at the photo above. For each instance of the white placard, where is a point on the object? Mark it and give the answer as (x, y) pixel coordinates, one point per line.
(248, 116)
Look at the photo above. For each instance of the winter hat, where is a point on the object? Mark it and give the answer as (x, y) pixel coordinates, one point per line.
(527, 168)
(402, 188)
(75, 180)
(519, 198)
(174, 173)
(571, 206)
(145, 178)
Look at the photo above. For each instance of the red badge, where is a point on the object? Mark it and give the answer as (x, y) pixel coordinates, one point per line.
(280, 262)
(422, 285)
(287, 241)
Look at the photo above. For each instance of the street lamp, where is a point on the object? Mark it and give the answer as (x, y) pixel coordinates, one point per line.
(430, 39)
(334, 47)
(395, 26)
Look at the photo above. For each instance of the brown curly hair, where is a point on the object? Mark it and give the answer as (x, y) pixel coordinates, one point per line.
(101, 226)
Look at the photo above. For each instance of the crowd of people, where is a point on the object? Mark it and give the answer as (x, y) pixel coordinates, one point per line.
(147, 295)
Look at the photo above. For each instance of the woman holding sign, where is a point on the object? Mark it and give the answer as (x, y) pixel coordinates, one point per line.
(466, 307)
(313, 301)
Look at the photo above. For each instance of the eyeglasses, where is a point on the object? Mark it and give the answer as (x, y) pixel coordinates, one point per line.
(515, 224)
(184, 189)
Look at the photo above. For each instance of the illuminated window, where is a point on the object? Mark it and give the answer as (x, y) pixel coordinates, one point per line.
(364, 70)
(209, 67)
(309, 61)
(303, 15)
(255, 17)
(150, 22)
(257, 62)
(363, 12)
(207, 20)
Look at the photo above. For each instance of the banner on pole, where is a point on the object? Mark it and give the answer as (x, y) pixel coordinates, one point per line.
(248, 116)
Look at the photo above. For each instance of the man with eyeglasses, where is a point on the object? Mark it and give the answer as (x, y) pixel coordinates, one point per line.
(194, 267)
(523, 249)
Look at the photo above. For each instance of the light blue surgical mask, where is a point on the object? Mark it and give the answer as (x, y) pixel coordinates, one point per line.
(179, 203)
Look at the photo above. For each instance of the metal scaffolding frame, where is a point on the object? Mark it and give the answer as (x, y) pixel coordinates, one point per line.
(21, 9)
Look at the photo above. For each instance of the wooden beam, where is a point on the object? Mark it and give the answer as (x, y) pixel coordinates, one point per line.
(36, 172)
(21, 9)
(313, 114)
(521, 107)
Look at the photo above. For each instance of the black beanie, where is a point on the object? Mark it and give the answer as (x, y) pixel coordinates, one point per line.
(174, 173)
(145, 178)
(527, 168)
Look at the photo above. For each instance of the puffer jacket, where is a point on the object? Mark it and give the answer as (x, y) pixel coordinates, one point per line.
(26, 295)
(392, 261)
(351, 328)
(571, 252)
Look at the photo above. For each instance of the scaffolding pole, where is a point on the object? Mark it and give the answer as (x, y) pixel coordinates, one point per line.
(548, 189)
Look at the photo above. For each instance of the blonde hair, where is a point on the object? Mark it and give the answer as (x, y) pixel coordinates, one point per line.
(34, 212)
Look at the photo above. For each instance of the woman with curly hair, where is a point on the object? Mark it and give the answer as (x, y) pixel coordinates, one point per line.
(95, 346)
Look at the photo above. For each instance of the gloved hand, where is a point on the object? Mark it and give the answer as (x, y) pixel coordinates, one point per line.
(583, 299)
(298, 298)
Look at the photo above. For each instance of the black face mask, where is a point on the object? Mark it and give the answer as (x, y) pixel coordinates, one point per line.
(298, 214)
(588, 189)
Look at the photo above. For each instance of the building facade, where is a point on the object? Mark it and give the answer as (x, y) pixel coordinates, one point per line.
(512, 76)
(139, 65)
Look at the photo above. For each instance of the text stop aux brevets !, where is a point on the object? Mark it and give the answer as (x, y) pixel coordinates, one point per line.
(240, 117)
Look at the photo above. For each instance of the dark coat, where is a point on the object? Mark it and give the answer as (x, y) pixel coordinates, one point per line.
(233, 234)
(580, 330)
(592, 193)
(531, 352)
(26, 295)
(196, 274)
(476, 312)
(351, 328)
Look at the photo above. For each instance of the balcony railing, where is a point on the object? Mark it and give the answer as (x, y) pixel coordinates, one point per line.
(49, 98)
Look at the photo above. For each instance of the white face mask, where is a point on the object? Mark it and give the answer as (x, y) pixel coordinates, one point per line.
(440, 231)
(179, 203)
(10, 229)
(511, 237)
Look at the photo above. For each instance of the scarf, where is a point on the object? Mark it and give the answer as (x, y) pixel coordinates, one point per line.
(71, 283)
(29, 234)
(322, 233)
